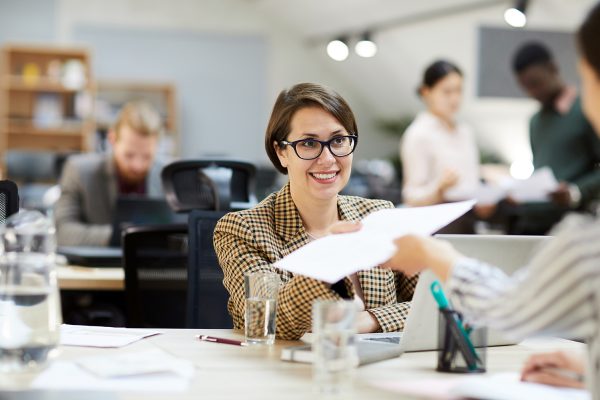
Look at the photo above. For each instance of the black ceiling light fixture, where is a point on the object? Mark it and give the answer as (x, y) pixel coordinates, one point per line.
(515, 16)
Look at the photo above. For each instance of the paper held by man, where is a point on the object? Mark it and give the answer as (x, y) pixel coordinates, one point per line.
(333, 257)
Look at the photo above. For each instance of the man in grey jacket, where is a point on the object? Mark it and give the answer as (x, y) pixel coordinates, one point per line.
(91, 183)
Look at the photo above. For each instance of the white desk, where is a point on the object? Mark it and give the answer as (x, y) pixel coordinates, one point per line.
(233, 372)
(72, 277)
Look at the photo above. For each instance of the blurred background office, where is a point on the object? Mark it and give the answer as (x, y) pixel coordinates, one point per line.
(213, 67)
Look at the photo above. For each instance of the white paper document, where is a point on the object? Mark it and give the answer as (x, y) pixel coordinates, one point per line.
(537, 188)
(502, 386)
(101, 336)
(146, 371)
(534, 189)
(333, 257)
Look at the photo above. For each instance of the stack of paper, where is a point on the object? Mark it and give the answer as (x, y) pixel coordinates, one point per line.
(333, 257)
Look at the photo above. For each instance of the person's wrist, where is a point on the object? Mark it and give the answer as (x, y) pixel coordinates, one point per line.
(575, 195)
(440, 261)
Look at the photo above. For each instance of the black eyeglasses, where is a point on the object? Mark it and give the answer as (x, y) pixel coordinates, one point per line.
(309, 149)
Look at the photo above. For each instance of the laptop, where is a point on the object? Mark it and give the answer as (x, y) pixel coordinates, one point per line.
(421, 328)
(136, 210)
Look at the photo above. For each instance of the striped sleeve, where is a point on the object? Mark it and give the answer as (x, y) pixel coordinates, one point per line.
(554, 295)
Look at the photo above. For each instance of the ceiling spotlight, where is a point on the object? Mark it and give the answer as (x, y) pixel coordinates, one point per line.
(338, 49)
(515, 16)
(365, 47)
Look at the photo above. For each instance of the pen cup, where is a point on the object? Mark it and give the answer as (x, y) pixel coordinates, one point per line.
(461, 350)
(335, 354)
(261, 307)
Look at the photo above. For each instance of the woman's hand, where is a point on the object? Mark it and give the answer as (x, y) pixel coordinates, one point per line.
(366, 322)
(556, 369)
(448, 179)
(416, 253)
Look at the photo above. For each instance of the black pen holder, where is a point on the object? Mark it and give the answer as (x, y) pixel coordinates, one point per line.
(462, 350)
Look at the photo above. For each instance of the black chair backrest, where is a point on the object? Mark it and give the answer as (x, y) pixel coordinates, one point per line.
(234, 181)
(9, 200)
(187, 187)
(207, 297)
(155, 263)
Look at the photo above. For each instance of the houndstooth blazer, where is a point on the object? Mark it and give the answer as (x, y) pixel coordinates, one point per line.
(252, 240)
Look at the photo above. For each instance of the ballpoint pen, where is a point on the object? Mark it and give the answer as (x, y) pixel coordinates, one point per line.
(564, 373)
(206, 338)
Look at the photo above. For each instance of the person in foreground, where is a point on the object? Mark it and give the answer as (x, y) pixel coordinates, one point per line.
(311, 136)
(558, 292)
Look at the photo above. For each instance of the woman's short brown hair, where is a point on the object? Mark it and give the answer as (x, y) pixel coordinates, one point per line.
(304, 95)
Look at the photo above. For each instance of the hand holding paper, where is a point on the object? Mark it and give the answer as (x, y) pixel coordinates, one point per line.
(331, 258)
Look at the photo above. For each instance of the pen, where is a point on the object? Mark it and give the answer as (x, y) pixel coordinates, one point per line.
(456, 328)
(565, 373)
(206, 338)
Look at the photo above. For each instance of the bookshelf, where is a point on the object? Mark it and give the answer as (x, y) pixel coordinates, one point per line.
(46, 99)
(111, 95)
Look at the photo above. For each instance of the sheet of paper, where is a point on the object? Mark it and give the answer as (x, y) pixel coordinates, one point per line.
(101, 336)
(333, 257)
(64, 375)
(536, 188)
(502, 386)
(137, 363)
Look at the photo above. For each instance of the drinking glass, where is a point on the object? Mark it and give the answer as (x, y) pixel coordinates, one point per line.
(261, 307)
(335, 355)
(30, 314)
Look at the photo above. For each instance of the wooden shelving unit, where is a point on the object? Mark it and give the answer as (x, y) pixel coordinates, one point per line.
(46, 99)
(111, 95)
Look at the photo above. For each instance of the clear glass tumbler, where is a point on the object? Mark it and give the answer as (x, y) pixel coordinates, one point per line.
(261, 307)
(335, 355)
(30, 313)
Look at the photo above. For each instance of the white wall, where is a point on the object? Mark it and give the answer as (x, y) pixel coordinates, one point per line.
(380, 87)
(289, 59)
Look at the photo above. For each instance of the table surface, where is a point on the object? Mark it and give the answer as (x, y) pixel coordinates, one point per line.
(226, 371)
(73, 277)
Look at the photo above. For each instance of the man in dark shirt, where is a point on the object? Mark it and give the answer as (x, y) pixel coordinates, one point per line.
(561, 139)
(91, 183)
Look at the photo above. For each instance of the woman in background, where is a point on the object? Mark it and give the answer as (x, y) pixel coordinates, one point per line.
(439, 155)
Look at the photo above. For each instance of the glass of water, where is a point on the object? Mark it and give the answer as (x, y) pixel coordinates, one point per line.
(335, 355)
(261, 307)
(30, 314)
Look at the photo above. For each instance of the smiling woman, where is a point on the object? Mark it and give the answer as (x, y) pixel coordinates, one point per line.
(311, 136)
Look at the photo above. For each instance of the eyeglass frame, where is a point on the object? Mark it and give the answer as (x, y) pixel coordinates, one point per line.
(323, 143)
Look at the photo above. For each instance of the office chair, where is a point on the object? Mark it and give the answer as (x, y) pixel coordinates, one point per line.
(155, 263)
(187, 188)
(9, 200)
(207, 297)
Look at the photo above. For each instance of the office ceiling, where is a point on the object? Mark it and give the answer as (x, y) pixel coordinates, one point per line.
(322, 18)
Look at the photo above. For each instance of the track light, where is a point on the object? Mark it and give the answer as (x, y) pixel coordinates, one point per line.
(338, 49)
(515, 16)
(366, 47)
